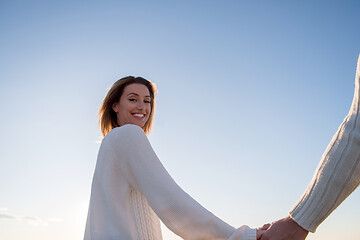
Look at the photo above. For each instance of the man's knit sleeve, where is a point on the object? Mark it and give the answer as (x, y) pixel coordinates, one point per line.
(338, 173)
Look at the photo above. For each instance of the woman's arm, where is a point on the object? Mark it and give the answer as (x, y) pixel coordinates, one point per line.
(141, 167)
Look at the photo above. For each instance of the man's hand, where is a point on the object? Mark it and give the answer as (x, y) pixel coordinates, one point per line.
(284, 229)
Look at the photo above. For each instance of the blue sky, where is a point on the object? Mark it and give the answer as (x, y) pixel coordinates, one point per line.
(250, 94)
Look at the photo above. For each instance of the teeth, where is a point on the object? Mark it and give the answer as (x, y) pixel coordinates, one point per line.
(138, 115)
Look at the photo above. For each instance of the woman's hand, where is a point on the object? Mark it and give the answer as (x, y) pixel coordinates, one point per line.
(265, 226)
(261, 230)
(259, 233)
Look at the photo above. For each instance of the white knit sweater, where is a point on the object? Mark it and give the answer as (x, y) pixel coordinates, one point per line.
(338, 173)
(131, 189)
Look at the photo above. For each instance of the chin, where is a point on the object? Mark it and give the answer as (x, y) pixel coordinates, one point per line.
(139, 124)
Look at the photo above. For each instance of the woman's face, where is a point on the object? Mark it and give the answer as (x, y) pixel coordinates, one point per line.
(134, 106)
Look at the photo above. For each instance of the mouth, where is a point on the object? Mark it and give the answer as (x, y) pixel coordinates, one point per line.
(139, 115)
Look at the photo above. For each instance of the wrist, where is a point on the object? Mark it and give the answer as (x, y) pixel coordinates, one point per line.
(299, 228)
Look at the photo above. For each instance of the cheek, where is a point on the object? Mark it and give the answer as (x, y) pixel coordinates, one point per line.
(123, 115)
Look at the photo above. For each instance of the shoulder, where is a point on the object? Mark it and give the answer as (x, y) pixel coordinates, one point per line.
(127, 132)
(126, 129)
(125, 138)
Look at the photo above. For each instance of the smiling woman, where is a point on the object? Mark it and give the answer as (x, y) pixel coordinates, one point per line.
(134, 105)
(129, 101)
(131, 189)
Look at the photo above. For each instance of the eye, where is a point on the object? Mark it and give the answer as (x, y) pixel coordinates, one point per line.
(147, 101)
(132, 99)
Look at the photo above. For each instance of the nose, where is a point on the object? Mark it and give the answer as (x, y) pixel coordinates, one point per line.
(140, 105)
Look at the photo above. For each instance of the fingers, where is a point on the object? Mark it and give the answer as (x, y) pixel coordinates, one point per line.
(265, 226)
(285, 228)
(261, 230)
(259, 233)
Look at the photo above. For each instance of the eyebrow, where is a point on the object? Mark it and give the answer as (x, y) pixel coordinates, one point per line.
(138, 95)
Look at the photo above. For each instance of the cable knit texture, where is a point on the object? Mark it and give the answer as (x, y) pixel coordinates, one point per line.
(131, 190)
(147, 223)
(338, 173)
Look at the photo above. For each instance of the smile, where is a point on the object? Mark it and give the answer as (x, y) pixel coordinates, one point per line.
(138, 115)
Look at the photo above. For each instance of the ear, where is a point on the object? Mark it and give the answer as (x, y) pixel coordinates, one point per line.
(115, 107)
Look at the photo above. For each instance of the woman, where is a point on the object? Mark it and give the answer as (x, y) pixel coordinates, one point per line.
(131, 188)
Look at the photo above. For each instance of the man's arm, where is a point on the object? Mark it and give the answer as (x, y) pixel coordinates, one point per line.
(338, 173)
(336, 177)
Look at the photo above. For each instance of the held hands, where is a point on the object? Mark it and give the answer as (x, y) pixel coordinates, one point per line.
(259, 233)
(283, 229)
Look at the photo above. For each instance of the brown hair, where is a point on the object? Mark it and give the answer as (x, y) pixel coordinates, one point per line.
(107, 116)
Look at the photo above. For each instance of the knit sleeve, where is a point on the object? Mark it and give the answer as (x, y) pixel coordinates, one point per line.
(338, 173)
(178, 211)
